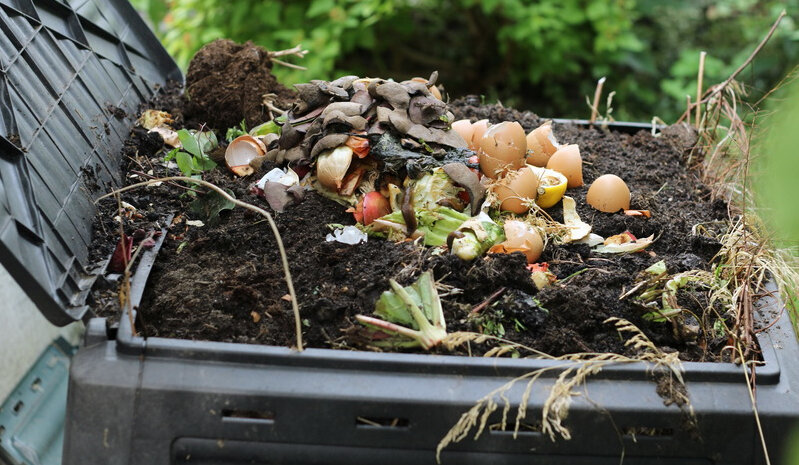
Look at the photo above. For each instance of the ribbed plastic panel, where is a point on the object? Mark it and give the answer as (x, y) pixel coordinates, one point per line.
(64, 66)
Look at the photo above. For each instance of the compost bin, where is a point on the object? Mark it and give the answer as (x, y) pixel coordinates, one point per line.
(67, 70)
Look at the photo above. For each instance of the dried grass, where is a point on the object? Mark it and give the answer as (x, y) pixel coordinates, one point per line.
(572, 373)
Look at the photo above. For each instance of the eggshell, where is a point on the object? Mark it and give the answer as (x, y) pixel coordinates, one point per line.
(608, 193)
(567, 161)
(464, 128)
(541, 144)
(479, 128)
(433, 89)
(516, 187)
(502, 148)
(520, 236)
(241, 152)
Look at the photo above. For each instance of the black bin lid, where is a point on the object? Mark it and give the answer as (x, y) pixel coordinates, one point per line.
(63, 65)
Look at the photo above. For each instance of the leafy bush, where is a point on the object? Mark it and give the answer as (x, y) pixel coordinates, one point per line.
(545, 56)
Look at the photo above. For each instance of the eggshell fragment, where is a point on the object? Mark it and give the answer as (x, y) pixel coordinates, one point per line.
(479, 128)
(464, 128)
(521, 237)
(567, 161)
(502, 148)
(541, 145)
(609, 193)
(241, 152)
(517, 191)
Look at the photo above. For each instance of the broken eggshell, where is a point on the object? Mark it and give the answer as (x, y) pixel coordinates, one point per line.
(520, 237)
(502, 148)
(479, 129)
(567, 160)
(516, 192)
(609, 194)
(541, 145)
(464, 128)
(241, 152)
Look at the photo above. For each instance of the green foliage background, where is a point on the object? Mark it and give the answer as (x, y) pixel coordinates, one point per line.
(544, 56)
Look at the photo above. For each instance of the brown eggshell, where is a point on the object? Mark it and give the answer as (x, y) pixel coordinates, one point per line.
(479, 128)
(502, 148)
(609, 193)
(524, 238)
(567, 161)
(540, 146)
(464, 128)
(514, 189)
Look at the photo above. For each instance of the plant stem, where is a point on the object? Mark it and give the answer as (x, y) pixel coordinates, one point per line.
(294, 306)
(597, 94)
(699, 79)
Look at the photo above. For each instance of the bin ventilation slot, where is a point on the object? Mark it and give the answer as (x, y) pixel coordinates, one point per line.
(381, 422)
(648, 432)
(18, 407)
(36, 385)
(525, 429)
(265, 417)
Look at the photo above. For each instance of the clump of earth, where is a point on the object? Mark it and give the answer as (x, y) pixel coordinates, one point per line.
(228, 82)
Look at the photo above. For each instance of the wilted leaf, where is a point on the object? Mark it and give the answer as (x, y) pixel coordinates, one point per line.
(208, 206)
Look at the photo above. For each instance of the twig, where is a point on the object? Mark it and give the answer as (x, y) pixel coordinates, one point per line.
(699, 79)
(150, 176)
(687, 109)
(597, 94)
(477, 308)
(269, 102)
(296, 51)
(124, 292)
(235, 201)
(289, 65)
(717, 89)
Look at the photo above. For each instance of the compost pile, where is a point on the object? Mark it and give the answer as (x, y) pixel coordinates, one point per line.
(384, 195)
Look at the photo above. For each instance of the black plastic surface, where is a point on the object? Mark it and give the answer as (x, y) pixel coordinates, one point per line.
(64, 67)
(163, 401)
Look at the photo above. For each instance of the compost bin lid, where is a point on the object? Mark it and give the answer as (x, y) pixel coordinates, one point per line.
(66, 67)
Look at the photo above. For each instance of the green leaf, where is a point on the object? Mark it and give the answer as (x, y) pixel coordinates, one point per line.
(320, 7)
(169, 156)
(189, 142)
(208, 206)
(185, 163)
(205, 164)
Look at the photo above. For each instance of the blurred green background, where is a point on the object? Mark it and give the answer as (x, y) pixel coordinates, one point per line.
(544, 56)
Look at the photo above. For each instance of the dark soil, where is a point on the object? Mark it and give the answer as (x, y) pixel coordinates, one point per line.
(226, 83)
(226, 283)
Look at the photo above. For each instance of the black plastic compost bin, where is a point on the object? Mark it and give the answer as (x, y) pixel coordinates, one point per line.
(66, 67)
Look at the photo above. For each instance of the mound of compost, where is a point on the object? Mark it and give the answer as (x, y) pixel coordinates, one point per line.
(226, 83)
(226, 283)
